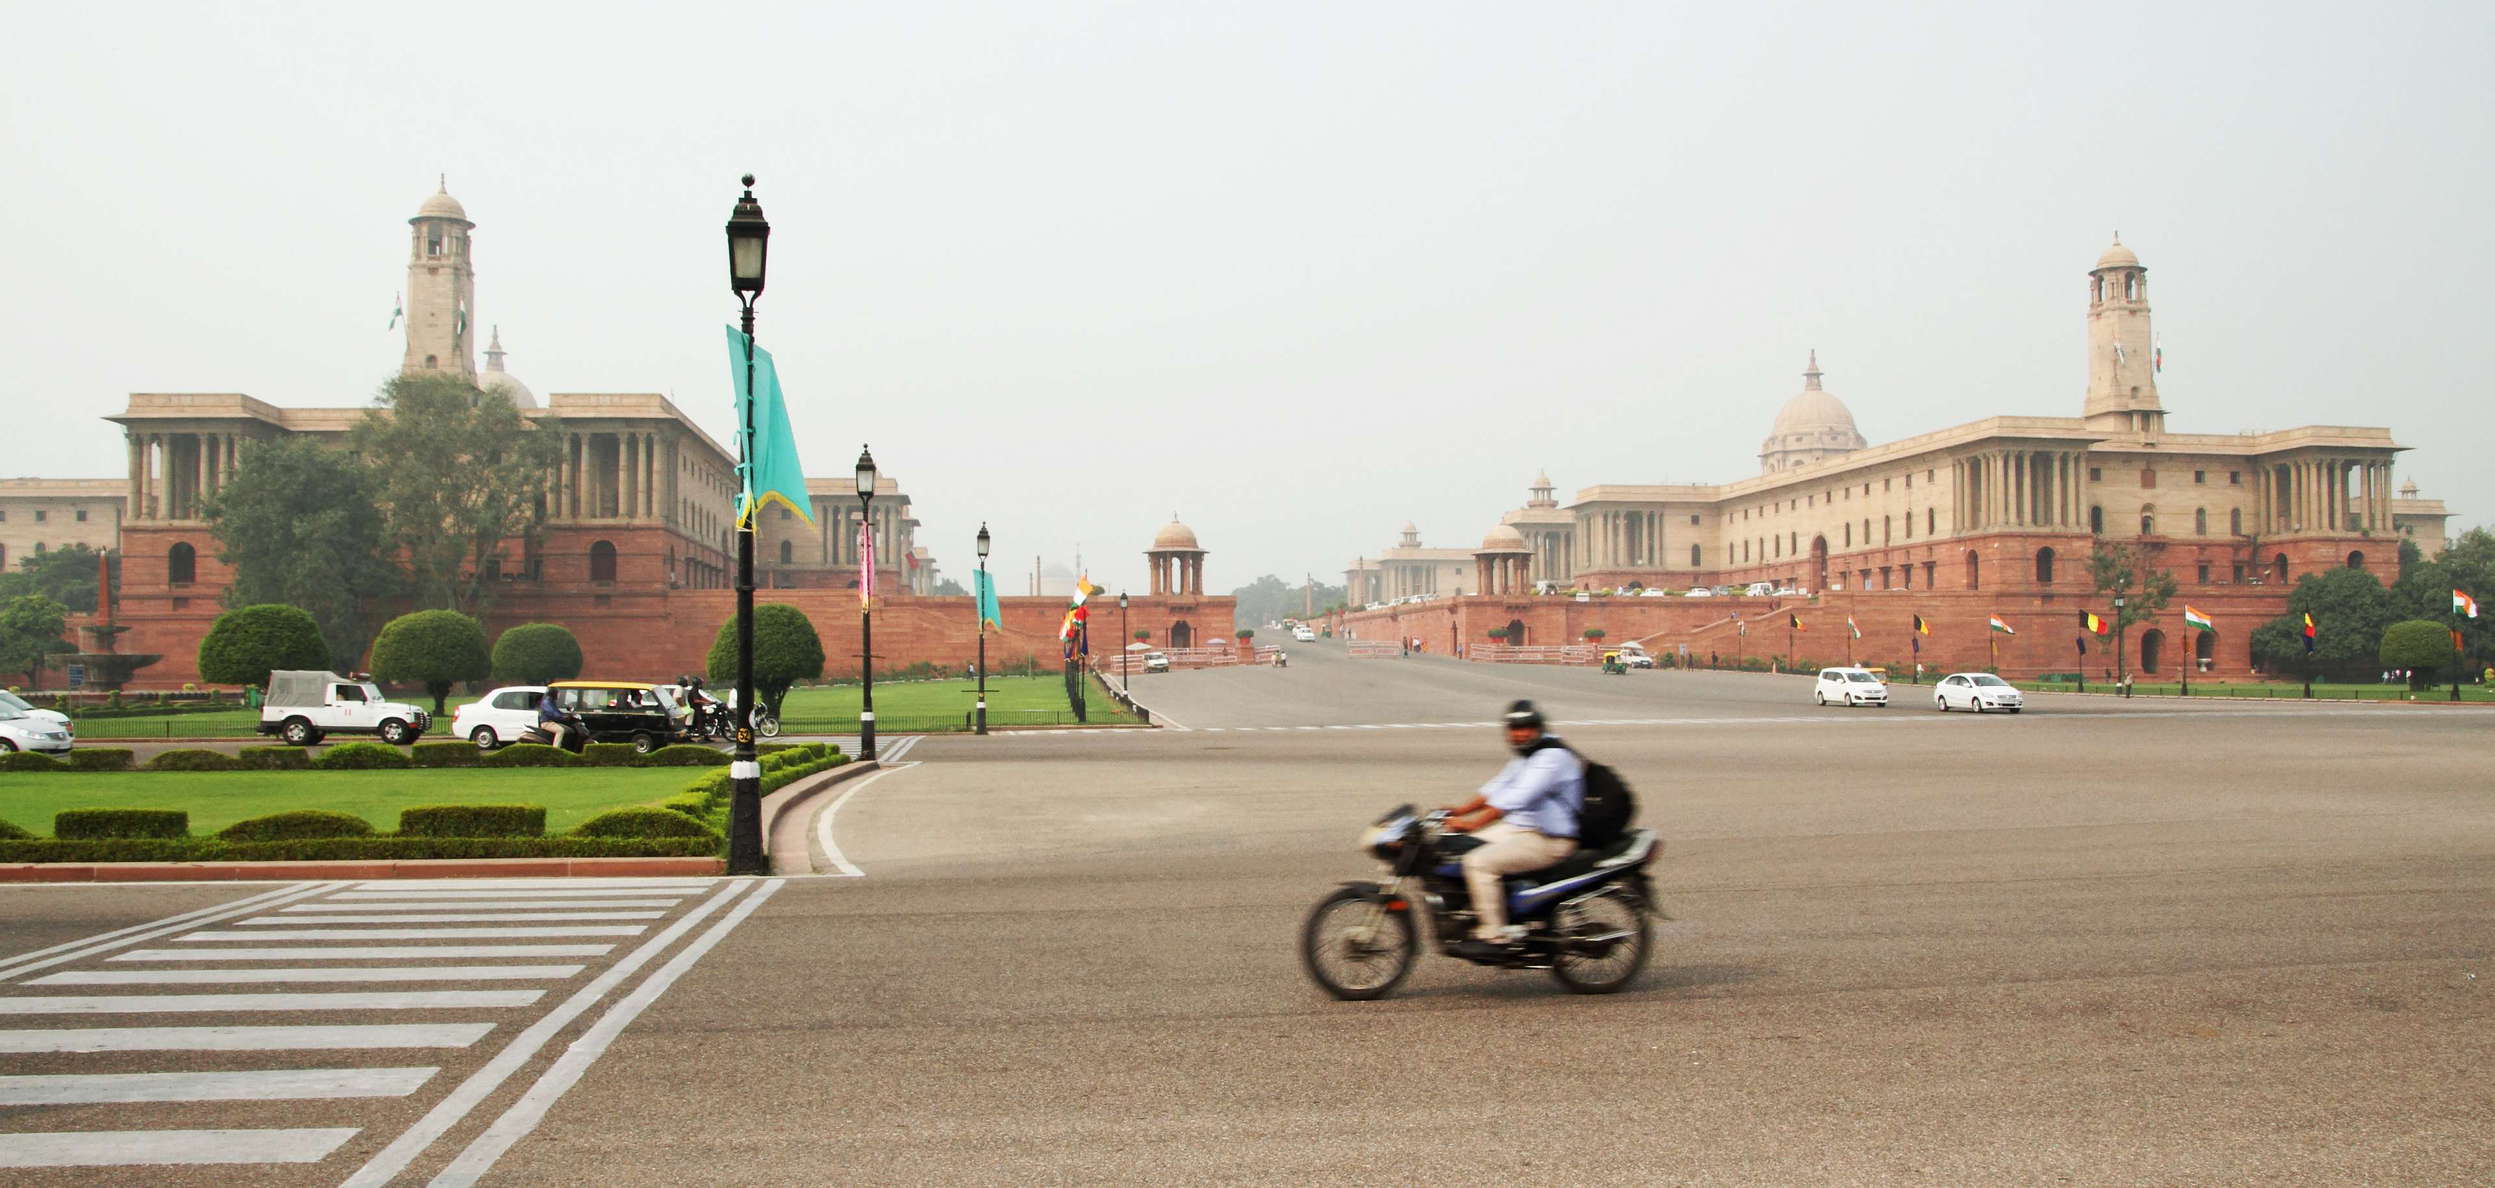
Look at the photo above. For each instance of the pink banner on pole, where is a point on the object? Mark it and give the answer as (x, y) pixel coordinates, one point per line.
(866, 565)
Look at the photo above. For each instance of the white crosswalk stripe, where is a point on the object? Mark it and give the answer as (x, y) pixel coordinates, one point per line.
(217, 962)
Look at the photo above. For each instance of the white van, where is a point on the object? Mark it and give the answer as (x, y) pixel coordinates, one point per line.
(1760, 589)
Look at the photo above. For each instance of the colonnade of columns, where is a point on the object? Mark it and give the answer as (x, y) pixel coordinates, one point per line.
(1622, 539)
(2325, 495)
(590, 485)
(172, 474)
(1177, 572)
(1503, 573)
(2043, 489)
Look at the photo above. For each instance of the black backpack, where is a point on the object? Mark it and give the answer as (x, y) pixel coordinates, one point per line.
(1608, 809)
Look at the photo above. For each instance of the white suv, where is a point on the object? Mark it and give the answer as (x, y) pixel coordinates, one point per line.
(498, 717)
(1850, 686)
(303, 706)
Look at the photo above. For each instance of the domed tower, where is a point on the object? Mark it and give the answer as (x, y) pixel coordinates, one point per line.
(1411, 536)
(1503, 564)
(441, 288)
(498, 380)
(1542, 494)
(1177, 561)
(1813, 425)
(2122, 359)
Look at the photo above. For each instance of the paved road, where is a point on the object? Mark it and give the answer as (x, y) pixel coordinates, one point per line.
(2101, 942)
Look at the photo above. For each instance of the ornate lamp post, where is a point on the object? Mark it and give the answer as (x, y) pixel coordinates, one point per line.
(2120, 628)
(866, 612)
(749, 241)
(983, 629)
(1123, 640)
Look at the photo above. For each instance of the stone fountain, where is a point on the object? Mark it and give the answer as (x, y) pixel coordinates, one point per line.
(108, 669)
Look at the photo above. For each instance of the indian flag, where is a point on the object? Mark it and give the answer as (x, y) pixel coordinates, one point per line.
(2197, 619)
(2002, 627)
(1849, 626)
(2463, 604)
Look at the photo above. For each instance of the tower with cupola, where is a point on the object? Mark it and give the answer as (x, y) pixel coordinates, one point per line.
(441, 289)
(2122, 354)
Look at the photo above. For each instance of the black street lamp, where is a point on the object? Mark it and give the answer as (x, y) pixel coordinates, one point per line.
(2121, 674)
(866, 613)
(983, 628)
(749, 242)
(1123, 639)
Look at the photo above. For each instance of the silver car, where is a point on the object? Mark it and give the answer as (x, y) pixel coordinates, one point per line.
(21, 730)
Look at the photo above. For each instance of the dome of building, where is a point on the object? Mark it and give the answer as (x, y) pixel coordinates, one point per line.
(2118, 256)
(1175, 535)
(1811, 426)
(442, 206)
(496, 379)
(1504, 539)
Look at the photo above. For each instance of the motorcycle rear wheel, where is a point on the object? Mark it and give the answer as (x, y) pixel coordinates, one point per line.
(1604, 945)
(1354, 948)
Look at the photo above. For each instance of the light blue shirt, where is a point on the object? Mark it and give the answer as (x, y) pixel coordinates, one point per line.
(1541, 792)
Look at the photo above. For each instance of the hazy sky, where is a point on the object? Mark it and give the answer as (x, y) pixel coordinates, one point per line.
(1298, 272)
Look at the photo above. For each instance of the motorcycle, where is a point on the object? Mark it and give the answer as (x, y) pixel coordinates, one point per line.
(1585, 918)
(715, 720)
(575, 739)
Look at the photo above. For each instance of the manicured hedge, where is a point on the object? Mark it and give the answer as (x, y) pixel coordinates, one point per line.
(11, 832)
(101, 759)
(446, 754)
(29, 761)
(353, 848)
(473, 820)
(276, 759)
(685, 755)
(643, 822)
(608, 754)
(532, 755)
(362, 756)
(194, 759)
(301, 823)
(87, 824)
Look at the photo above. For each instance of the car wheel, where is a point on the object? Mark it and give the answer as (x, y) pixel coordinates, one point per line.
(1977, 702)
(1941, 701)
(644, 743)
(395, 732)
(484, 738)
(298, 733)
(7, 747)
(1816, 699)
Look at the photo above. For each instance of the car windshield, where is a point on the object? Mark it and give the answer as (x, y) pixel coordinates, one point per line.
(1986, 678)
(10, 713)
(1862, 678)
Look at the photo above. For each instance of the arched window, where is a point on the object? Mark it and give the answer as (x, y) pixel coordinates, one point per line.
(2200, 521)
(1928, 521)
(181, 565)
(2148, 520)
(2152, 650)
(2235, 522)
(1849, 534)
(1693, 556)
(1973, 573)
(788, 549)
(2096, 521)
(2356, 560)
(2278, 565)
(2131, 286)
(2044, 566)
(602, 561)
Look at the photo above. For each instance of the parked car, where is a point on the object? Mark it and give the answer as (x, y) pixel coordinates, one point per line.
(1978, 691)
(623, 711)
(1653, 592)
(1789, 592)
(13, 701)
(21, 730)
(1699, 592)
(303, 706)
(1850, 686)
(1156, 662)
(1304, 635)
(497, 718)
(1759, 589)
(1635, 656)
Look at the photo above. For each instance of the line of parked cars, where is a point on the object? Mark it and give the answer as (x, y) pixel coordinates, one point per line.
(1981, 692)
(25, 728)
(304, 707)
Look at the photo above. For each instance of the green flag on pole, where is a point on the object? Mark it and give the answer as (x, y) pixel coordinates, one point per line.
(770, 467)
(989, 613)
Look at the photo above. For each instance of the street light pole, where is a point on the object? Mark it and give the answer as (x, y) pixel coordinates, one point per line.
(866, 610)
(749, 240)
(2121, 629)
(983, 628)
(1123, 640)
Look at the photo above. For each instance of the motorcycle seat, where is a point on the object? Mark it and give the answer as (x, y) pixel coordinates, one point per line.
(1583, 861)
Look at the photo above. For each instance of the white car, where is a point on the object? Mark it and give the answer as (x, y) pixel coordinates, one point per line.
(1635, 656)
(1850, 686)
(1653, 592)
(498, 717)
(1978, 691)
(1759, 589)
(1699, 592)
(21, 730)
(1304, 635)
(1789, 592)
(10, 700)
(1156, 662)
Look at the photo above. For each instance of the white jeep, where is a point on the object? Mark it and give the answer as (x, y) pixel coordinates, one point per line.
(303, 706)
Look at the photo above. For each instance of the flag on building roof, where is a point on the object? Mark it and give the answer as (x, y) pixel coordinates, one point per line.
(2197, 619)
(398, 309)
(1794, 621)
(1923, 626)
(1849, 626)
(2308, 632)
(2157, 355)
(2463, 604)
(768, 459)
(990, 614)
(2095, 625)
(2002, 627)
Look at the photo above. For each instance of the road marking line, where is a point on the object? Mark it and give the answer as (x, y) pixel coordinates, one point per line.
(475, 905)
(522, 1118)
(498, 886)
(393, 1159)
(364, 952)
(271, 1084)
(115, 1148)
(348, 973)
(59, 954)
(314, 934)
(351, 1000)
(243, 1039)
(442, 918)
(657, 896)
(823, 823)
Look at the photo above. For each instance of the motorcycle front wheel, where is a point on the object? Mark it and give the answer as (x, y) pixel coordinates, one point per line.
(766, 724)
(1355, 948)
(1603, 943)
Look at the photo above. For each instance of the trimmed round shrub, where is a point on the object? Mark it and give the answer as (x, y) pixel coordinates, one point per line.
(432, 648)
(608, 754)
(536, 654)
(30, 761)
(643, 822)
(445, 754)
(246, 643)
(78, 824)
(532, 755)
(686, 755)
(101, 759)
(276, 759)
(194, 759)
(292, 826)
(11, 832)
(363, 756)
(473, 820)
(786, 651)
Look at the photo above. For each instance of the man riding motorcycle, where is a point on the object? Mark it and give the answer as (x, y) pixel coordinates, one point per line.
(1526, 817)
(557, 722)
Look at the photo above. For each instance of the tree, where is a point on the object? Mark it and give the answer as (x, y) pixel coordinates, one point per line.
(247, 643)
(2350, 609)
(536, 653)
(2424, 590)
(786, 651)
(948, 588)
(2422, 646)
(433, 648)
(297, 524)
(457, 471)
(2115, 570)
(1269, 599)
(30, 633)
(65, 575)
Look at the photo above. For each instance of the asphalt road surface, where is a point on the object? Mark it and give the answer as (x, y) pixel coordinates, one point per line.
(2101, 942)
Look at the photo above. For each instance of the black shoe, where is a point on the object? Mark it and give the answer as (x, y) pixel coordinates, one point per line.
(1482, 950)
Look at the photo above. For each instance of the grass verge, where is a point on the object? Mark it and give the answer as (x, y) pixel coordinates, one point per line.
(216, 799)
(928, 706)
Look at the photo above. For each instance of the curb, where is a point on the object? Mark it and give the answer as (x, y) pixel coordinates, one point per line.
(413, 868)
(791, 850)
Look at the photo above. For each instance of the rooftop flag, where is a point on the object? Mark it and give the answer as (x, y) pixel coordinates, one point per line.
(398, 309)
(768, 460)
(2002, 627)
(2463, 604)
(2197, 619)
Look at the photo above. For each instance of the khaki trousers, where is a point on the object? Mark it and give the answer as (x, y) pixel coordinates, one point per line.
(1506, 849)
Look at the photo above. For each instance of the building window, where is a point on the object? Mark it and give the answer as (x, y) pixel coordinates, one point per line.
(2148, 521)
(1693, 556)
(1974, 572)
(2235, 521)
(2096, 474)
(2235, 478)
(1928, 521)
(1693, 519)
(1884, 484)
(81, 513)
(788, 549)
(1884, 528)
(1910, 482)
(42, 515)
(181, 564)
(602, 561)
(2148, 479)
(2200, 476)
(2239, 573)
(2096, 521)
(2204, 573)
(1849, 536)
(1929, 569)
(2044, 566)
(2200, 521)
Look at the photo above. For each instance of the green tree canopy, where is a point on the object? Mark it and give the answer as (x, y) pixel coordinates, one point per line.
(536, 653)
(31, 627)
(948, 588)
(1269, 600)
(2114, 570)
(2424, 591)
(247, 643)
(786, 651)
(2350, 609)
(433, 648)
(457, 471)
(2422, 646)
(65, 575)
(297, 524)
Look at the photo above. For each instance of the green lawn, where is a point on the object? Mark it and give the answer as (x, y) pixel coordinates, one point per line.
(922, 706)
(216, 799)
(233, 723)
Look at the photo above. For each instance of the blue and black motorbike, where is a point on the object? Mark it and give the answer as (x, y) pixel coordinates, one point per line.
(1586, 918)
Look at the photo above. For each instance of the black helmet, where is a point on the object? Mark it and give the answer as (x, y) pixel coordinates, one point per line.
(1522, 715)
